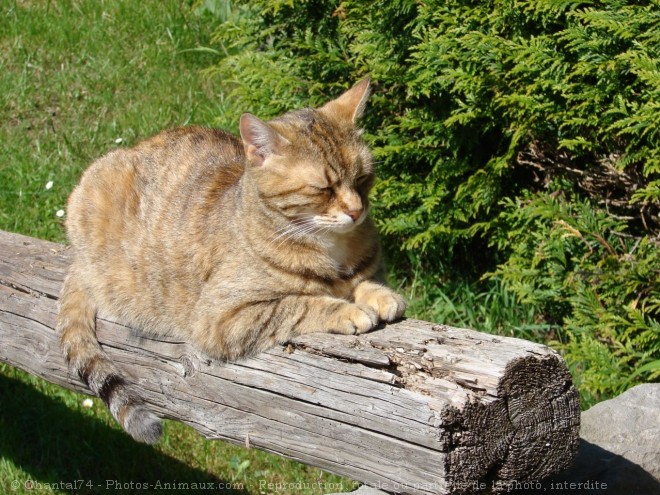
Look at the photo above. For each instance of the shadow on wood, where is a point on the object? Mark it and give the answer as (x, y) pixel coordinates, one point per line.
(415, 407)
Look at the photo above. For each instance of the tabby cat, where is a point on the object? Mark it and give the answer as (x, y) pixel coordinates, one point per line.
(231, 244)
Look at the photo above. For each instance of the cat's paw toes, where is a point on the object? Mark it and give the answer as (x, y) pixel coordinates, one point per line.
(356, 318)
(389, 305)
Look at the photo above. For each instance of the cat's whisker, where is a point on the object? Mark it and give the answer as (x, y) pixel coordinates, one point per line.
(301, 232)
(286, 229)
(283, 230)
(286, 239)
(291, 232)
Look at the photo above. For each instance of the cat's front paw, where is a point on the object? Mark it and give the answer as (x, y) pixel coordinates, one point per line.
(388, 304)
(354, 319)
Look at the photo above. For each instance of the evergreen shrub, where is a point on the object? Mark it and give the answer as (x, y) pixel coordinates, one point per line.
(517, 144)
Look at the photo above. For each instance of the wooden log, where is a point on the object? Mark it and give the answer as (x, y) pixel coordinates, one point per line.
(415, 407)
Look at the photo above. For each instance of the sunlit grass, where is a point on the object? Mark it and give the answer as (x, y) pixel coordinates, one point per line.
(79, 78)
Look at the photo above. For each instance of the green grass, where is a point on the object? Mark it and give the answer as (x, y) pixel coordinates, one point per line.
(75, 78)
(487, 307)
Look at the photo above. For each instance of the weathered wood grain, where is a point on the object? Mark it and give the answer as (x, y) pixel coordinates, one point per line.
(415, 407)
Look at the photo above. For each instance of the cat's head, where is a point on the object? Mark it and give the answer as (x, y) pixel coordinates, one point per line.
(312, 166)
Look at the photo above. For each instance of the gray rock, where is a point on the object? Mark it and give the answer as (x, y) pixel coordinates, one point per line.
(629, 426)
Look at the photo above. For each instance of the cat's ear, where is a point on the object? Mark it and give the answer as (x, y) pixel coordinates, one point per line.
(260, 139)
(349, 106)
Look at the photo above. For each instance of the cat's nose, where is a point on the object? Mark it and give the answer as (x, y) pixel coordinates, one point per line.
(354, 214)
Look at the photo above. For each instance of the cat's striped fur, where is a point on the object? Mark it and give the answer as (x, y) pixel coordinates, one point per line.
(233, 244)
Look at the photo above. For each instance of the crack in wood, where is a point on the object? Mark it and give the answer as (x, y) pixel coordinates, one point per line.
(27, 290)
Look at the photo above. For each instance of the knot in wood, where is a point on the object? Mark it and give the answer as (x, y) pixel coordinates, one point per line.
(189, 365)
(41, 348)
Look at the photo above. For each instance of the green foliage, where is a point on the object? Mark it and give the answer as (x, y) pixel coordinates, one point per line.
(578, 266)
(479, 111)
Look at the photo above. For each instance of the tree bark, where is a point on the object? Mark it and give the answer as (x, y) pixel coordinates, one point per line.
(414, 407)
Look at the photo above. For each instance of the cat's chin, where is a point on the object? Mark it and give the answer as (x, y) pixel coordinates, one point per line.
(338, 225)
(343, 229)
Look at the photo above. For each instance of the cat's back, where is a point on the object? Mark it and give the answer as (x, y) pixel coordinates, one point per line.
(171, 157)
(131, 188)
(138, 219)
(189, 147)
(136, 201)
(179, 161)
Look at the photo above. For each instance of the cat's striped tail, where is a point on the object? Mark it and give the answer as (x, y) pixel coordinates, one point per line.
(76, 328)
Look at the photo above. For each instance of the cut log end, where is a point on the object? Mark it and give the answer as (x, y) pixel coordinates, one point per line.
(528, 432)
(506, 410)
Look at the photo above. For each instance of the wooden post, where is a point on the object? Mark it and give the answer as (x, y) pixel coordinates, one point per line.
(415, 407)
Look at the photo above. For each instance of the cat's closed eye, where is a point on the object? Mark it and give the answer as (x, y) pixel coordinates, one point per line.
(324, 189)
(365, 180)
